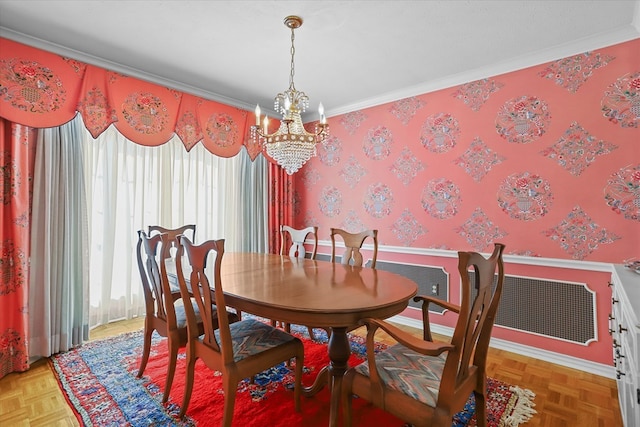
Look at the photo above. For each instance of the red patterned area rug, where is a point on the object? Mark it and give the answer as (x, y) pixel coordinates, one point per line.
(99, 381)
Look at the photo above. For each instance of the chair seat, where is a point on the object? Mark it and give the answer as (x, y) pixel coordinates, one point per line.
(409, 372)
(250, 337)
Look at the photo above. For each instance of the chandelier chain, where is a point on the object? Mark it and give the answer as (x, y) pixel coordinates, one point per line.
(293, 53)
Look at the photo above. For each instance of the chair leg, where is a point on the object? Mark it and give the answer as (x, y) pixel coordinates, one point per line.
(481, 409)
(173, 356)
(188, 386)
(230, 385)
(146, 349)
(311, 335)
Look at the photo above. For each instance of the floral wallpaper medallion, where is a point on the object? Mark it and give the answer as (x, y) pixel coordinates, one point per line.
(405, 109)
(222, 129)
(330, 201)
(523, 120)
(479, 231)
(572, 72)
(440, 132)
(407, 229)
(525, 196)
(378, 200)
(441, 198)
(621, 101)
(10, 175)
(577, 149)
(377, 143)
(31, 86)
(97, 113)
(578, 235)
(475, 94)
(145, 113)
(622, 192)
(13, 267)
(352, 171)
(310, 176)
(478, 159)
(352, 223)
(329, 151)
(406, 166)
(352, 121)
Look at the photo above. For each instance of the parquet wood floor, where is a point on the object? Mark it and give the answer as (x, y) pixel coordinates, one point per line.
(564, 397)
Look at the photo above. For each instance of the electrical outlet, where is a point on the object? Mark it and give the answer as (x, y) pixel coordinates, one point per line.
(435, 289)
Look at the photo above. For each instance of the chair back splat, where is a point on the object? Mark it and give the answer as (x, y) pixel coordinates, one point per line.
(297, 238)
(353, 243)
(173, 233)
(425, 382)
(239, 349)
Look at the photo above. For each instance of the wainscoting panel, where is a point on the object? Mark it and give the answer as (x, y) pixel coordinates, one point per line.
(433, 281)
(556, 309)
(551, 308)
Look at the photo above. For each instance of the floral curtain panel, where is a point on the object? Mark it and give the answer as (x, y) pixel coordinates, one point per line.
(17, 153)
(42, 89)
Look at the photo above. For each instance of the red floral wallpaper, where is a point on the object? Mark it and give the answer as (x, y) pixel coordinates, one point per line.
(544, 159)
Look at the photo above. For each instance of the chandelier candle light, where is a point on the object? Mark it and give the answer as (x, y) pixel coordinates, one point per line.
(291, 146)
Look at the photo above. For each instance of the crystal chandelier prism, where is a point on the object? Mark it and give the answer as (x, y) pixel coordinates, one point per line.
(291, 146)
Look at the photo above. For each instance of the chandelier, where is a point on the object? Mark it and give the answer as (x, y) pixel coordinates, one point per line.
(291, 146)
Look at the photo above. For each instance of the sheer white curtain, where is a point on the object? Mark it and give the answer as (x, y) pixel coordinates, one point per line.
(131, 186)
(58, 285)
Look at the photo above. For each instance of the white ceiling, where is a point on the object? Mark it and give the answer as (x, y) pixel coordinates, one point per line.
(349, 54)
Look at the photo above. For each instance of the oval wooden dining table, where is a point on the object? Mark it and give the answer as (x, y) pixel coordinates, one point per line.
(317, 294)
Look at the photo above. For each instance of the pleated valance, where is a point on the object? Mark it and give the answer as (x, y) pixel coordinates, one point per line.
(42, 89)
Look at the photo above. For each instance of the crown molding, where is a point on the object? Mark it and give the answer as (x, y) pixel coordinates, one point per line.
(585, 44)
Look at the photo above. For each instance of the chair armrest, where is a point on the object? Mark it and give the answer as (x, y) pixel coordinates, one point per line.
(416, 344)
(445, 304)
(426, 300)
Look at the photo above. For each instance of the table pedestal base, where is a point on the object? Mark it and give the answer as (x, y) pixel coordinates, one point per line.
(339, 353)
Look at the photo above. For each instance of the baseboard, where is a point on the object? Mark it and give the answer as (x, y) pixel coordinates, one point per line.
(524, 350)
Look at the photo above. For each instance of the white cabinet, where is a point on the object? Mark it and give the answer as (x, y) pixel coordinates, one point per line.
(624, 325)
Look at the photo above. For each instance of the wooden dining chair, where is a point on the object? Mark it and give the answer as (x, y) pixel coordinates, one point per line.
(352, 256)
(423, 382)
(294, 240)
(297, 237)
(172, 233)
(237, 350)
(353, 243)
(162, 313)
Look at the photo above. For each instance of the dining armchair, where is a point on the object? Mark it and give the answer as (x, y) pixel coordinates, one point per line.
(162, 312)
(296, 249)
(424, 382)
(353, 243)
(237, 350)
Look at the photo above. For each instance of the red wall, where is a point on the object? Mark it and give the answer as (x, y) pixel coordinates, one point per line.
(563, 182)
